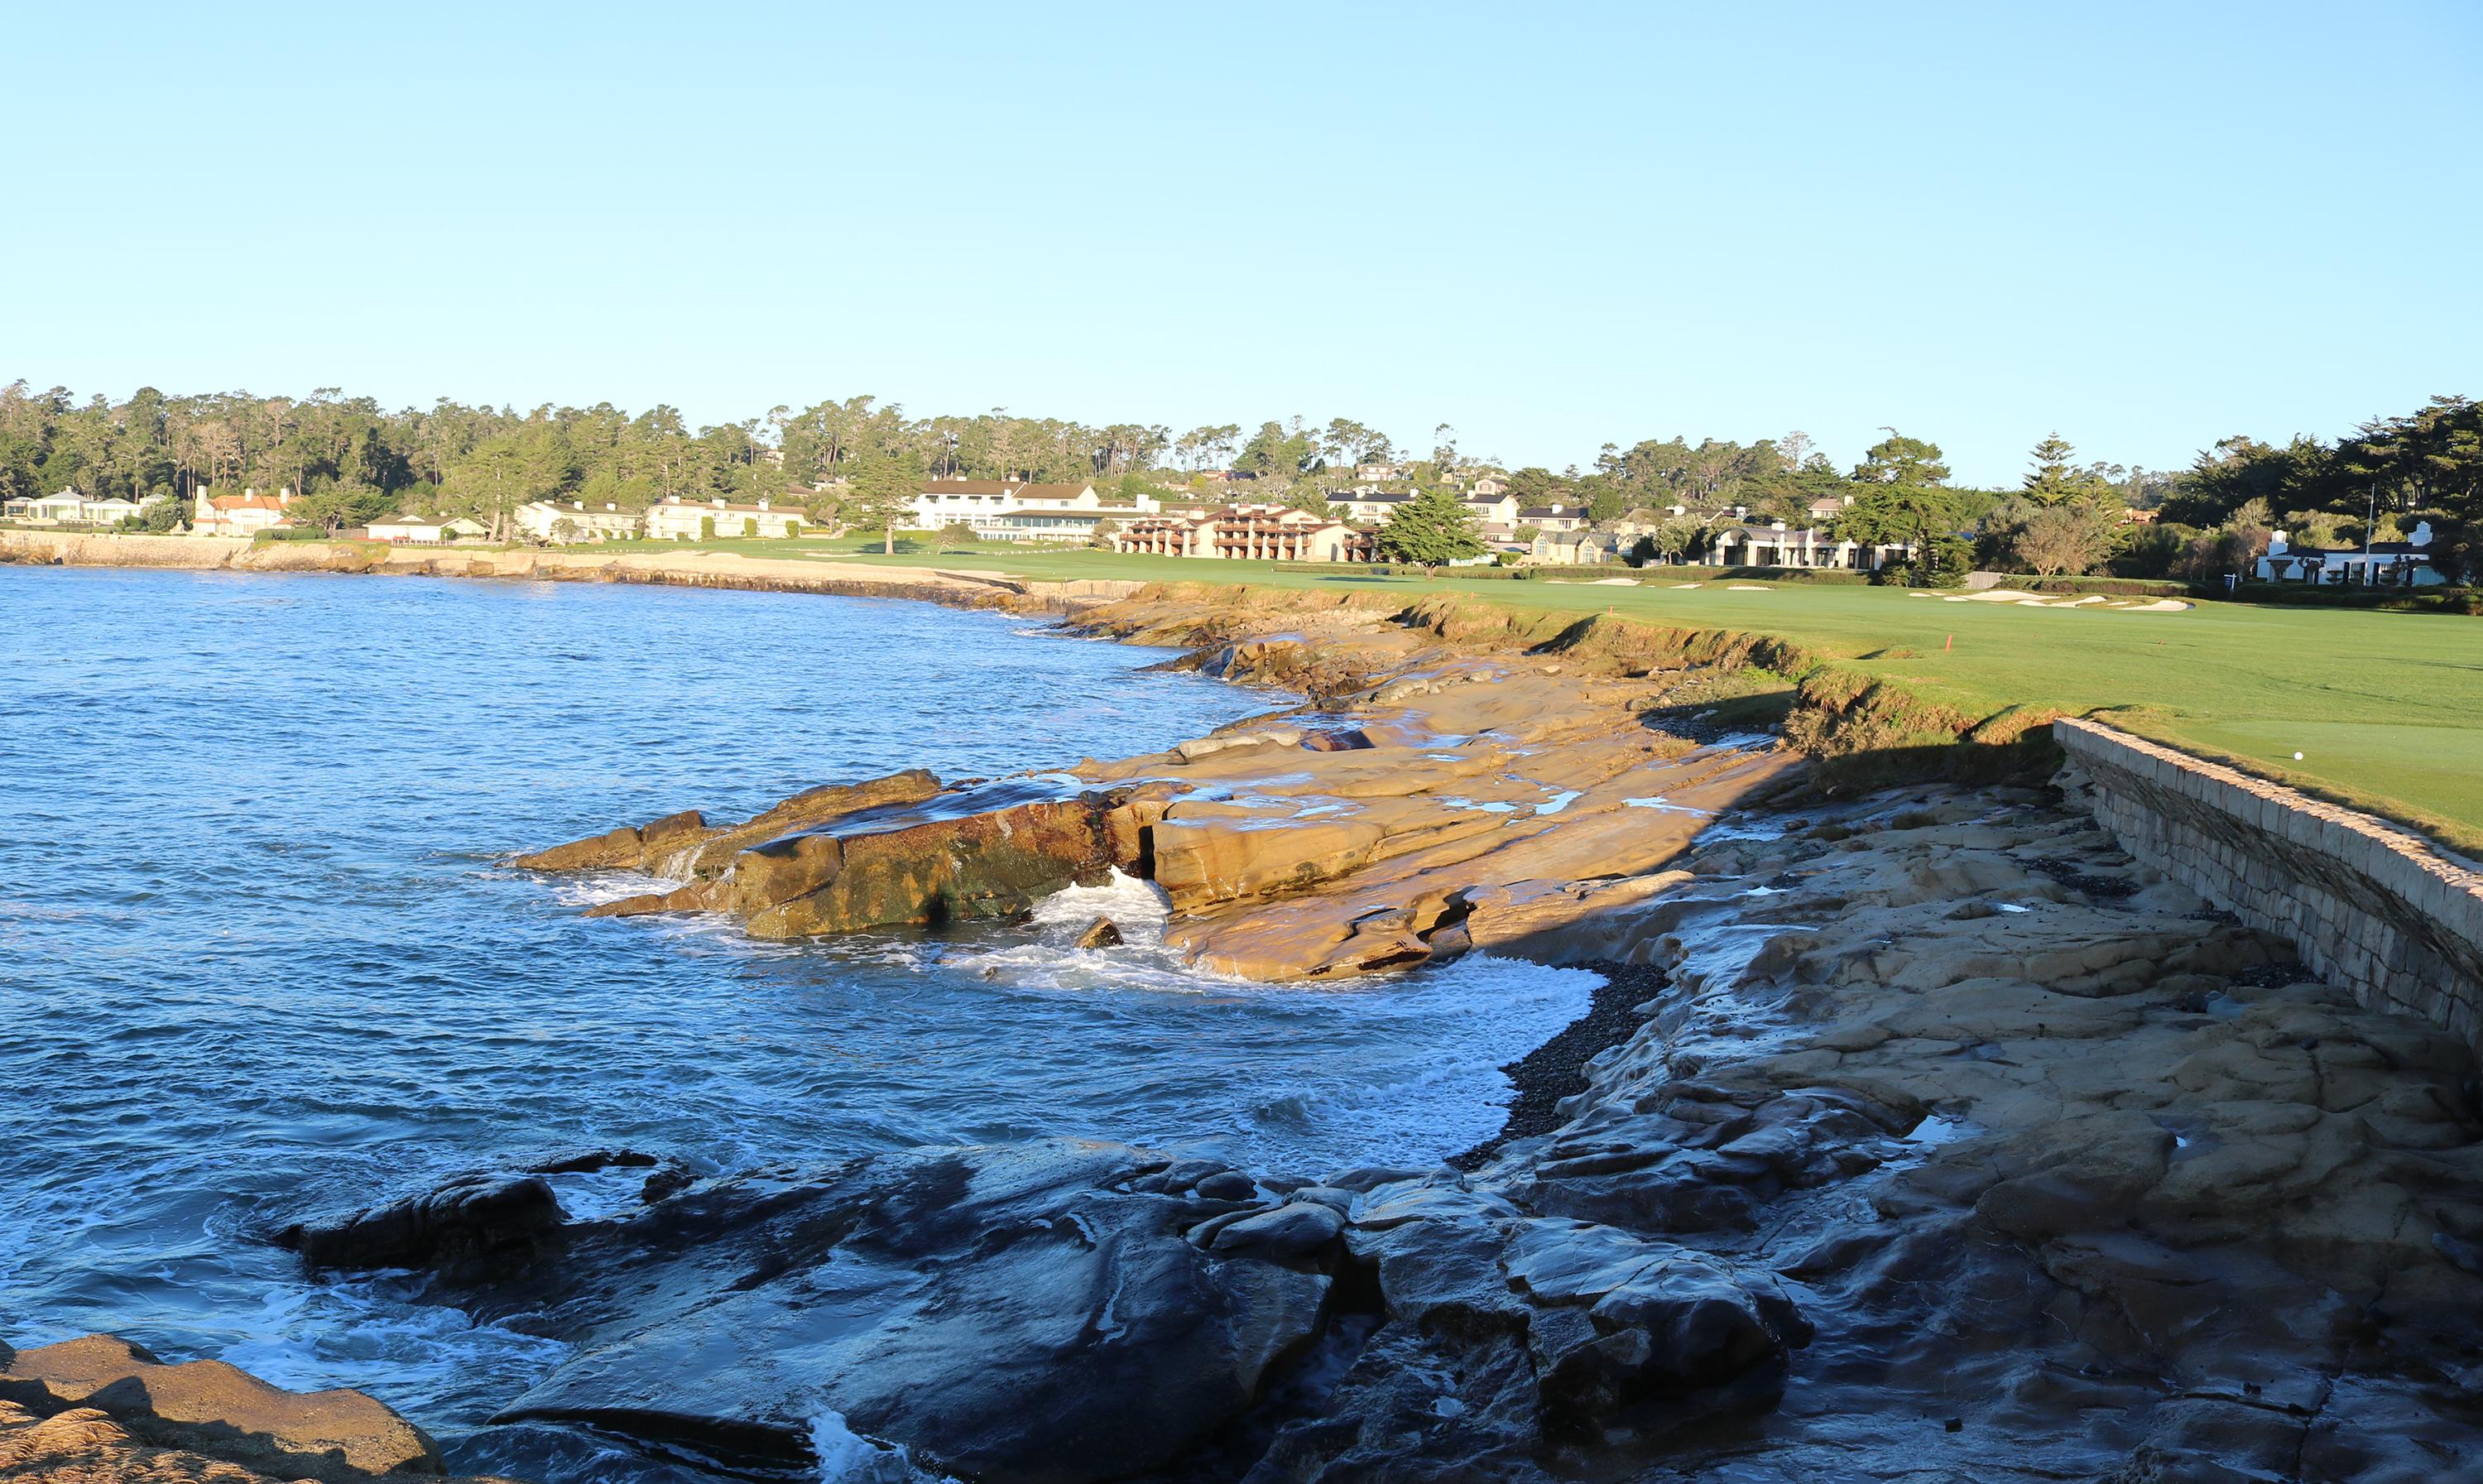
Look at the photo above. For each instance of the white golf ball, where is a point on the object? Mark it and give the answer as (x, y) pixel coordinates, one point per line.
(2297, 757)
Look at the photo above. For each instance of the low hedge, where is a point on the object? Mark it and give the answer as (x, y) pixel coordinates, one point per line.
(2468, 602)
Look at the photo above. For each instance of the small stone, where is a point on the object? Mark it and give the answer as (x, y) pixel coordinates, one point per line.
(1101, 932)
(1288, 1232)
(1231, 1185)
(1183, 1173)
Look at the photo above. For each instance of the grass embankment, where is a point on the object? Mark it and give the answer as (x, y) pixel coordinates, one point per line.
(2386, 708)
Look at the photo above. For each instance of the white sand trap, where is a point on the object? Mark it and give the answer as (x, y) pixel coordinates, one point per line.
(1748, 587)
(2161, 605)
(1613, 582)
(1992, 595)
(1922, 594)
(1689, 584)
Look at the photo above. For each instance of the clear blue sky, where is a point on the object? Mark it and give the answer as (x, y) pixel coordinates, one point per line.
(1554, 225)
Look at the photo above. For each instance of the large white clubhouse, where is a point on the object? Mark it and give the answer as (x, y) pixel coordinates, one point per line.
(1016, 510)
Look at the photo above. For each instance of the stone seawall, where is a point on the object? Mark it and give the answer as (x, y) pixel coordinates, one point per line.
(103, 549)
(2371, 907)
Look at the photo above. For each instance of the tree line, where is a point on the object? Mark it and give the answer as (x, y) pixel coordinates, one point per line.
(348, 460)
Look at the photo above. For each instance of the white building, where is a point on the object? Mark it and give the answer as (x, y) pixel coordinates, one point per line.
(70, 508)
(425, 528)
(2386, 563)
(246, 513)
(1555, 517)
(1376, 505)
(1774, 545)
(570, 521)
(678, 519)
(1015, 509)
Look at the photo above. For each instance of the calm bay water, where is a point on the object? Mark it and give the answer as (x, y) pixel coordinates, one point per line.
(258, 957)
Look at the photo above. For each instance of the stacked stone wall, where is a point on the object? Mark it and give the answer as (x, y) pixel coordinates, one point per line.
(2370, 906)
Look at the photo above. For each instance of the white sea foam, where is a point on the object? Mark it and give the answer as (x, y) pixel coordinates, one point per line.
(846, 1457)
(1470, 1017)
(370, 1335)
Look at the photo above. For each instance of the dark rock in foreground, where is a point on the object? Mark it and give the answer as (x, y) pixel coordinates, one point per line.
(1070, 1311)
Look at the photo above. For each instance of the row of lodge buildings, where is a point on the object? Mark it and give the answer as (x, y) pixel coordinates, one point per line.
(1248, 532)
(1022, 511)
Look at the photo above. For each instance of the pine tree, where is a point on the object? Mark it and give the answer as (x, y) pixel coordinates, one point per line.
(882, 498)
(2052, 482)
(1433, 528)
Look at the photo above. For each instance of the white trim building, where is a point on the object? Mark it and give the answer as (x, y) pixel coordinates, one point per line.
(246, 513)
(679, 519)
(419, 528)
(1016, 510)
(1499, 509)
(1774, 545)
(2380, 564)
(70, 508)
(542, 520)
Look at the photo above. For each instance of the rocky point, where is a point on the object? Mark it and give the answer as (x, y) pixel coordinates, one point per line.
(1920, 1135)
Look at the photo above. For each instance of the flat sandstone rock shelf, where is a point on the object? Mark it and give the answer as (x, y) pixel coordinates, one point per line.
(102, 1411)
(1429, 801)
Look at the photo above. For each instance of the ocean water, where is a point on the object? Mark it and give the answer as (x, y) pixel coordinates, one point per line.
(260, 957)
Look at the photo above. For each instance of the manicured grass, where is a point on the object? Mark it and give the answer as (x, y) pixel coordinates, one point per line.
(2385, 704)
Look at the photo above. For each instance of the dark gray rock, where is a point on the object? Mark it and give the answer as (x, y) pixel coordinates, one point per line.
(1010, 1314)
(1368, 1177)
(1186, 1174)
(1228, 1185)
(1287, 1232)
(472, 1228)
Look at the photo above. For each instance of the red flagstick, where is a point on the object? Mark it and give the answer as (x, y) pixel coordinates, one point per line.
(1951, 645)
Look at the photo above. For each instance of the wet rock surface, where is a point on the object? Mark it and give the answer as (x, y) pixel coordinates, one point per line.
(1926, 1136)
(1892, 1148)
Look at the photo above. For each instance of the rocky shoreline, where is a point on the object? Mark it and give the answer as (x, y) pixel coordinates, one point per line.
(1919, 1134)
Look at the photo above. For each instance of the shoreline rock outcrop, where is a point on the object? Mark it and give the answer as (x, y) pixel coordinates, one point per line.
(1927, 1136)
(100, 1410)
(1946, 1142)
(1433, 797)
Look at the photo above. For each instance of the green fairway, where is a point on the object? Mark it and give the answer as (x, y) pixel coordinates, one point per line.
(2389, 705)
